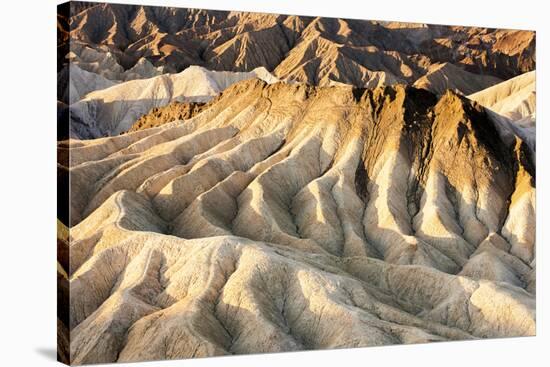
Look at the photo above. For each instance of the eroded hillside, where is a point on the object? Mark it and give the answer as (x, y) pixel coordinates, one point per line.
(287, 217)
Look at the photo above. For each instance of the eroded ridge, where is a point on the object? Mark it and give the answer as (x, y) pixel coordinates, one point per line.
(287, 217)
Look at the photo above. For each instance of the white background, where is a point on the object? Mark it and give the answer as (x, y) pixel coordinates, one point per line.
(28, 179)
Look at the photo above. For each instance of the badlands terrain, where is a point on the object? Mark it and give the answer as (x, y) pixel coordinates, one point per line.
(100, 45)
(235, 183)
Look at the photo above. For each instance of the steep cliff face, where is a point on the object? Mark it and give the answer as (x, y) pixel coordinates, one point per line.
(288, 217)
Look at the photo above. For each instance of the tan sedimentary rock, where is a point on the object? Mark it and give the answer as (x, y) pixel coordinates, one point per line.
(441, 77)
(114, 110)
(289, 217)
(238, 41)
(162, 115)
(123, 42)
(145, 49)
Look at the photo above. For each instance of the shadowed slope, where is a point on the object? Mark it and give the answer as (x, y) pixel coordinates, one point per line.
(512, 105)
